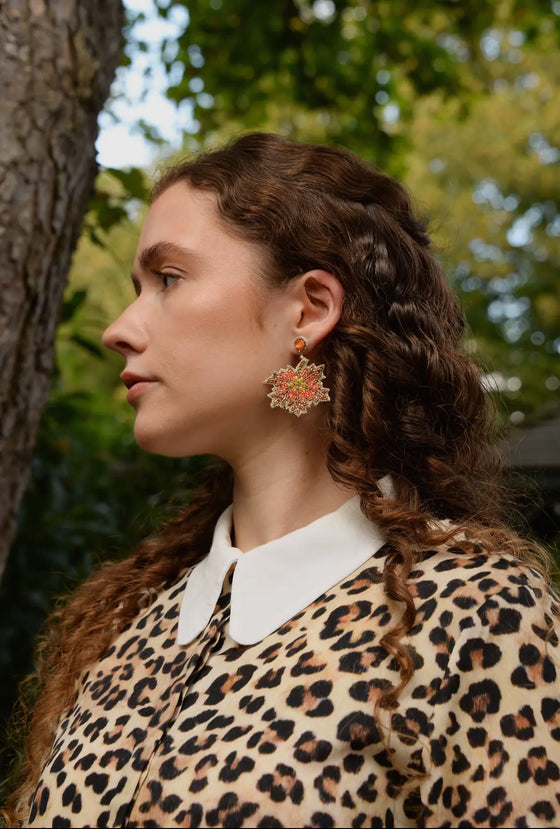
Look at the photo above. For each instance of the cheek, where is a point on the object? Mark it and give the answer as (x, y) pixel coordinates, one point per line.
(230, 318)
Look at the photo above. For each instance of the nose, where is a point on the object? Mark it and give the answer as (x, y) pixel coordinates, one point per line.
(127, 333)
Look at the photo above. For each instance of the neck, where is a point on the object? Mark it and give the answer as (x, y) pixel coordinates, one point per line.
(281, 485)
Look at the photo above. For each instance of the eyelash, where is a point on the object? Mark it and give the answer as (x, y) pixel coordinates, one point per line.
(163, 275)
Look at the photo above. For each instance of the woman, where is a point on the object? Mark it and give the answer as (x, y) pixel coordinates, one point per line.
(339, 630)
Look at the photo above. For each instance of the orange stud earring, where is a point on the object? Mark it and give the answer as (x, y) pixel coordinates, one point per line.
(297, 389)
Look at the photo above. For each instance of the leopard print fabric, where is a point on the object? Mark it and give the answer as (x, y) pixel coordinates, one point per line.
(282, 733)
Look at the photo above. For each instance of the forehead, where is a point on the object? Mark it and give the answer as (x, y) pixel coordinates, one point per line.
(181, 211)
(183, 227)
(187, 217)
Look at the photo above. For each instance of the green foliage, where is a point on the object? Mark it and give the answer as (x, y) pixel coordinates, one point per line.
(490, 183)
(118, 195)
(344, 71)
(133, 182)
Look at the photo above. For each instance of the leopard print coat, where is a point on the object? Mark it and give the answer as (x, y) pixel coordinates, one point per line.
(282, 733)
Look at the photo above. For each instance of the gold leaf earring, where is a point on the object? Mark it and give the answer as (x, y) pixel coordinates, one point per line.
(297, 389)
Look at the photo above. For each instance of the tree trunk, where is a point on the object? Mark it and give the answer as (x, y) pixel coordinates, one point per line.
(57, 61)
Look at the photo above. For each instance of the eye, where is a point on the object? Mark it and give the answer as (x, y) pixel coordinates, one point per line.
(167, 279)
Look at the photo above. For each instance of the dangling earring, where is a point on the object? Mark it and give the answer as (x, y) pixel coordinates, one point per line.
(296, 389)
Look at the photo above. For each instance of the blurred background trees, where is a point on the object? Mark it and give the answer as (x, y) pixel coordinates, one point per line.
(458, 99)
(57, 67)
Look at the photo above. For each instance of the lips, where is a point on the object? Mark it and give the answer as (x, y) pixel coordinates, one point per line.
(136, 384)
(130, 379)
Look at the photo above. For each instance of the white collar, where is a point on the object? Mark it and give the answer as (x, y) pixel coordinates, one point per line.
(273, 582)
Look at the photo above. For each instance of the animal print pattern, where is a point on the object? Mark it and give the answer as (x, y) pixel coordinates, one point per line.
(282, 733)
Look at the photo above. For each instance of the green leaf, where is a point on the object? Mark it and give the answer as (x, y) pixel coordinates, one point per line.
(133, 181)
(71, 305)
(88, 345)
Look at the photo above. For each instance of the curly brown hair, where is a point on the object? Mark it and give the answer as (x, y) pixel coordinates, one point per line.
(405, 400)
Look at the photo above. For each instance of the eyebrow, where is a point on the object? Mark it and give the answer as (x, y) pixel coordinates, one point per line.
(151, 256)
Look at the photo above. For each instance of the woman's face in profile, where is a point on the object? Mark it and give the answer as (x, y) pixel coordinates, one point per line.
(203, 333)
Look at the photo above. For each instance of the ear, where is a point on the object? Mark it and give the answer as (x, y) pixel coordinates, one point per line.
(319, 297)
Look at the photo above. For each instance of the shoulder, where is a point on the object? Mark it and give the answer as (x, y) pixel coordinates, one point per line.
(488, 613)
(488, 683)
(490, 624)
(467, 579)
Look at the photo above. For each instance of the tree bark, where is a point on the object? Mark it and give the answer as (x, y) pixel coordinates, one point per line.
(57, 62)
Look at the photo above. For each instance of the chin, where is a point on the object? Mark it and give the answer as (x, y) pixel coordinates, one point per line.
(165, 442)
(157, 443)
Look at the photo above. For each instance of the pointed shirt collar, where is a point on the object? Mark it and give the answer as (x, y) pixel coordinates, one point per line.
(273, 582)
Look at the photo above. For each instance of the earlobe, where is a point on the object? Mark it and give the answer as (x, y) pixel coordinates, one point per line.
(320, 297)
